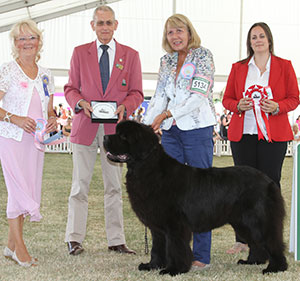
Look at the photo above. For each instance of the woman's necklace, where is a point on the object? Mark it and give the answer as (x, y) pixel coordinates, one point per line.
(30, 70)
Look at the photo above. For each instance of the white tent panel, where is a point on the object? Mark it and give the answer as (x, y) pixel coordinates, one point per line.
(283, 20)
(41, 10)
(217, 23)
(5, 49)
(140, 27)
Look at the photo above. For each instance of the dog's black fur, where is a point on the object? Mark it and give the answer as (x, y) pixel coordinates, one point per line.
(174, 200)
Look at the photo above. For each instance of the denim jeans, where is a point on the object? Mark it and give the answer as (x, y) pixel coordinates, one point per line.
(193, 148)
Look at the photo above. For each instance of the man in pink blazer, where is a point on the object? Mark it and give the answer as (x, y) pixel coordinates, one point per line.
(85, 84)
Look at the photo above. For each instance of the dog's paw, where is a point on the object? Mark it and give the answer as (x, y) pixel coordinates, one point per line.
(251, 262)
(275, 268)
(151, 266)
(145, 266)
(163, 272)
(148, 266)
(270, 270)
(258, 262)
(171, 272)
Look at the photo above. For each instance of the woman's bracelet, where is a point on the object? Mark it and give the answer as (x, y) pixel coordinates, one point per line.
(7, 117)
(167, 115)
(52, 117)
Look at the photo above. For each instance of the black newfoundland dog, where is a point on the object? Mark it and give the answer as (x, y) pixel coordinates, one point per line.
(174, 200)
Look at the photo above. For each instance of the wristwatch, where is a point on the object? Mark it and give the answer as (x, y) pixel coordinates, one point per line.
(276, 111)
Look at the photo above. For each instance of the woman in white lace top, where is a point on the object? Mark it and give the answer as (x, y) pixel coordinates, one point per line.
(26, 91)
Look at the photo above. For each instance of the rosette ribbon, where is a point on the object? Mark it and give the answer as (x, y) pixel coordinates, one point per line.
(45, 80)
(256, 93)
(40, 133)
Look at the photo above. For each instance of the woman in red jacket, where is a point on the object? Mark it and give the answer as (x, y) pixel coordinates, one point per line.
(260, 91)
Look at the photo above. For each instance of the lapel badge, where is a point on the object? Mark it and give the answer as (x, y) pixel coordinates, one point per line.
(120, 66)
(123, 82)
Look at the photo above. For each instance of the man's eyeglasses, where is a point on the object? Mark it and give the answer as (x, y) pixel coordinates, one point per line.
(102, 23)
(25, 38)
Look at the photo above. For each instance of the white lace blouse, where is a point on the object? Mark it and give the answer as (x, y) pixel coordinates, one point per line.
(18, 89)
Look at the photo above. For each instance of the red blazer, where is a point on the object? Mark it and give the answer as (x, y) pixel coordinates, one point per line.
(283, 83)
(85, 83)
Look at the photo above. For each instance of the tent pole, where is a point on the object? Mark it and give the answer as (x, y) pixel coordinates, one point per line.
(241, 28)
(174, 6)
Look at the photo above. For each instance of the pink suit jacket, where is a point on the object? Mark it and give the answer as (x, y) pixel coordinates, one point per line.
(124, 87)
(284, 86)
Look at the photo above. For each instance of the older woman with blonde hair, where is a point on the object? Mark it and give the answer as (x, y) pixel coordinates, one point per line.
(183, 107)
(26, 91)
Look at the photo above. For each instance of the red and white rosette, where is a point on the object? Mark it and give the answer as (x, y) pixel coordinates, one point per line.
(256, 93)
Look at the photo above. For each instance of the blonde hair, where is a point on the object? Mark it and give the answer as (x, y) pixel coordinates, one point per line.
(179, 20)
(22, 26)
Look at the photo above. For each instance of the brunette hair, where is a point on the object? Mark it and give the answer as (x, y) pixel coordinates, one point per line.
(269, 35)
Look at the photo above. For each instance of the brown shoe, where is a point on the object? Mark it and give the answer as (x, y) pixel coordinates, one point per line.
(121, 249)
(74, 248)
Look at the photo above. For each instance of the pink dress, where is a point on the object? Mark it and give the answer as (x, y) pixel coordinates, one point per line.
(22, 165)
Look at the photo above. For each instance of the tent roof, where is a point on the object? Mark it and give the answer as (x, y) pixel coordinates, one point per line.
(42, 10)
(222, 26)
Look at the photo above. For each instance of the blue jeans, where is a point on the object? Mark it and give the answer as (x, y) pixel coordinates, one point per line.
(193, 148)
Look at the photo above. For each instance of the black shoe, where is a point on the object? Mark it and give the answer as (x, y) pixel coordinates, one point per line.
(74, 248)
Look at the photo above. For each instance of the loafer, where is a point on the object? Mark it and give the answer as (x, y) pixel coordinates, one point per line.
(123, 249)
(74, 248)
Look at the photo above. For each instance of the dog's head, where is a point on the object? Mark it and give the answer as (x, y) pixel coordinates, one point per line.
(132, 141)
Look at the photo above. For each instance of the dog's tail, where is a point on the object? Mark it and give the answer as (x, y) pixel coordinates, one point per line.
(274, 228)
(276, 209)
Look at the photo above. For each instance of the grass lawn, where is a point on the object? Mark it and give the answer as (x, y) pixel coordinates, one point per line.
(45, 240)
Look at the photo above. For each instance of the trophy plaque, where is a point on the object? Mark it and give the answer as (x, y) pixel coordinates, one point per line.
(104, 112)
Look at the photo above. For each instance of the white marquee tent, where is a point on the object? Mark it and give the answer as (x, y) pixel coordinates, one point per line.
(221, 24)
